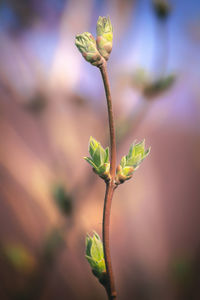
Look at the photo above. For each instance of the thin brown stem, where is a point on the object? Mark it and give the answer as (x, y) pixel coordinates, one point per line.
(110, 287)
(104, 74)
(110, 187)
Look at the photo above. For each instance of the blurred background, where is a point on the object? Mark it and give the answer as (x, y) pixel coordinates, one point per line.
(51, 102)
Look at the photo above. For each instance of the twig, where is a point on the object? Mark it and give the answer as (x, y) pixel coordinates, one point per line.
(110, 187)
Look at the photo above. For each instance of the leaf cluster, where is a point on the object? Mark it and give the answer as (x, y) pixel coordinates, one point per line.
(99, 159)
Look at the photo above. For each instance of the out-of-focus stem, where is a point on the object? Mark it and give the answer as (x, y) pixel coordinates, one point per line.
(161, 57)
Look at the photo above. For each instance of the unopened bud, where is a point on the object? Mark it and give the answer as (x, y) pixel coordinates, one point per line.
(104, 36)
(86, 44)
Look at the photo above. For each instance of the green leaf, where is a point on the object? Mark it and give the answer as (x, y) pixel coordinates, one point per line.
(96, 235)
(93, 263)
(102, 169)
(96, 249)
(107, 155)
(123, 162)
(131, 162)
(100, 243)
(90, 161)
(95, 254)
(88, 245)
(139, 148)
(93, 144)
(136, 154)
(97, 157)
(131, 152)
(98, 267)
(101, 265)
(102, 154)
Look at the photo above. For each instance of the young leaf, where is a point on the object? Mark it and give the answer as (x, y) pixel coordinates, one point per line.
(131, 152)
(96, 252)
(88, 245)
(90, 161)
(107, 155)
(102, 154)
(93, 144)
(123, 162)
(97, 157)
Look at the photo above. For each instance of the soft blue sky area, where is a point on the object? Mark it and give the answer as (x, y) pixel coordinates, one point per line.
(140, 33)
(136, 48)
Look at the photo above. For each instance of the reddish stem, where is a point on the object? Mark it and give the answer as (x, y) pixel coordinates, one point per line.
(110, 187)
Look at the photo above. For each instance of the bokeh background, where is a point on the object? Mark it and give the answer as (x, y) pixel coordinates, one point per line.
(51, 101)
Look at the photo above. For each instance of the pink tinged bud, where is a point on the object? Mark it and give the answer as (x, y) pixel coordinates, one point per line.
(86, 44)
(104, 47)
(104, 36)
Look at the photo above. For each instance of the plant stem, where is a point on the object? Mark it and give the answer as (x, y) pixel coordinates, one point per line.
(104, 75)
(110, 287)
(110, 187)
